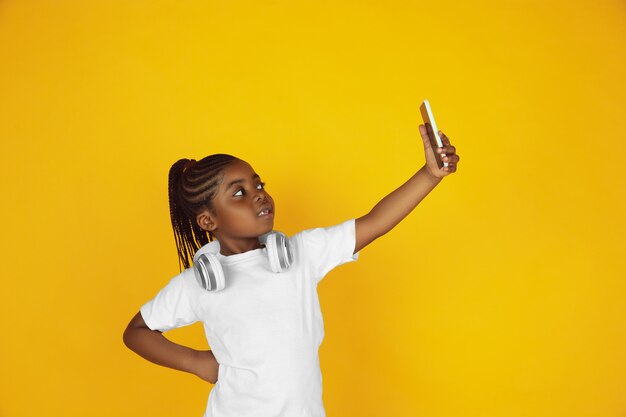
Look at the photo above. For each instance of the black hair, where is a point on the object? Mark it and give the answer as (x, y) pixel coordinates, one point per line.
(192, 186)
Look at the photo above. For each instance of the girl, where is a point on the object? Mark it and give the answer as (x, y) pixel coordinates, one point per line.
(264, 328)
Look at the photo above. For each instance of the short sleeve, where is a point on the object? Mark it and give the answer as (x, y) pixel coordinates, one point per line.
(325, 248)
(172, 306)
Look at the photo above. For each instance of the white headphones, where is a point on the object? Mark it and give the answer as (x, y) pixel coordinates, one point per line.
(209, 272)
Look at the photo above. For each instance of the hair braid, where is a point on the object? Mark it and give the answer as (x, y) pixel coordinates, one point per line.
(192, 185)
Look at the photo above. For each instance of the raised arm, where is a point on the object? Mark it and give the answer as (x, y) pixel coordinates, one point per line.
(397, 205)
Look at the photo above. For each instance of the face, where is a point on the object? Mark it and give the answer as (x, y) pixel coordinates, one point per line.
(237, 203)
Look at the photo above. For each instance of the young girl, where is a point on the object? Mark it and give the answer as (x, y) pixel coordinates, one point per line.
(264, 327)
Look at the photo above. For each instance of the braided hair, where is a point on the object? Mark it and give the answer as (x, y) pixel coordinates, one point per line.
(192, 185)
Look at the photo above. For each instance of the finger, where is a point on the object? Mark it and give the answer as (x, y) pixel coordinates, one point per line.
(447, 149)
(444, 138)
(451, 158)
(450, 168)
(424, 133)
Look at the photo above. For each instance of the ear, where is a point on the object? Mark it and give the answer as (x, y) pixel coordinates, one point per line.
(206, 221)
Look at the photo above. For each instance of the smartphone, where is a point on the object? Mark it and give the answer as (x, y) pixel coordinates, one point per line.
(431, 127)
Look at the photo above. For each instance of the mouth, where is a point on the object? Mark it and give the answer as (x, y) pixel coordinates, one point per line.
(266, 211)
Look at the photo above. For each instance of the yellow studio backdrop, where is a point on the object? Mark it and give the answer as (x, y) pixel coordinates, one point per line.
(500, 295)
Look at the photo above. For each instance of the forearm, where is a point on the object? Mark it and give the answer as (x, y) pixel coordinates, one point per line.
(156, 348)
(399, 203)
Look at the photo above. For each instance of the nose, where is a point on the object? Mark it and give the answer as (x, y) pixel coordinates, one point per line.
(261, 195)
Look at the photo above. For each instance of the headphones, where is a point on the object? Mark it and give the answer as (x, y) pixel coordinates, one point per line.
(210, 275)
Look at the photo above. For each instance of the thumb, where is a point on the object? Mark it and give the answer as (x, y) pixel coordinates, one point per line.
(424, 134)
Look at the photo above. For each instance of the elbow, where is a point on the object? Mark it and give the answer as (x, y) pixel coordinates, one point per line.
(127, 337)
(130, 335)
(134, 328)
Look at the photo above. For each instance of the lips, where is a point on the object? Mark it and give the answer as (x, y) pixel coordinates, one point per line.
(265, 211)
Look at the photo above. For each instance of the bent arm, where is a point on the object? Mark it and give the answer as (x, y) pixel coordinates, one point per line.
(393, 208)
(153, 346)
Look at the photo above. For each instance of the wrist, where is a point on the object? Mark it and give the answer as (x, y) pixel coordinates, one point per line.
(199, 360)
(430, 174)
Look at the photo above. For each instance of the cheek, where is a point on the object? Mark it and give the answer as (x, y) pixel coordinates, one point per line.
(237, 219)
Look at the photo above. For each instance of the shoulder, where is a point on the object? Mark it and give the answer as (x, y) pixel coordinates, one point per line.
(329, 242)
(184, 282)
(324, 232)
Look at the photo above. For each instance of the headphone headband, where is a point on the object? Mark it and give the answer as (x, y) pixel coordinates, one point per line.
(208, 270)
(214, 246)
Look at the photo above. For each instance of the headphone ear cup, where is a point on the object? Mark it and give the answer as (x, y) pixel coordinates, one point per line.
(279, 252)
(209, 273)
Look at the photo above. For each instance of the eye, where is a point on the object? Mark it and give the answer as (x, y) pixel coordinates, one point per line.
(262, 184)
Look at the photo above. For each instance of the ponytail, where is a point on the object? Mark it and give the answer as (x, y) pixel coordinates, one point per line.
(192, 185)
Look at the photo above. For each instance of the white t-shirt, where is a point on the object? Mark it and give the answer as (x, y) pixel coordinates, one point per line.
(264, 328)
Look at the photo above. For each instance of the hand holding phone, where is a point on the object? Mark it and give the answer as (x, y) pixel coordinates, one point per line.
(431, 128)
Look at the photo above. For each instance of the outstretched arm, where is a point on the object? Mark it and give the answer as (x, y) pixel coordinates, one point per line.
(397, 205)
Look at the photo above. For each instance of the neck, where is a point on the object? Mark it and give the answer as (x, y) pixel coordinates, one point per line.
(234, 247)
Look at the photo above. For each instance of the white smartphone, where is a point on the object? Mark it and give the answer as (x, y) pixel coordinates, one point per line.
(431, 127)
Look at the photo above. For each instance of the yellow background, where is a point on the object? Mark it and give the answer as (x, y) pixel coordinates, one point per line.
(501, 295)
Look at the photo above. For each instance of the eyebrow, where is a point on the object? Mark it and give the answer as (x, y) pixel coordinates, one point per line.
(238, 181)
